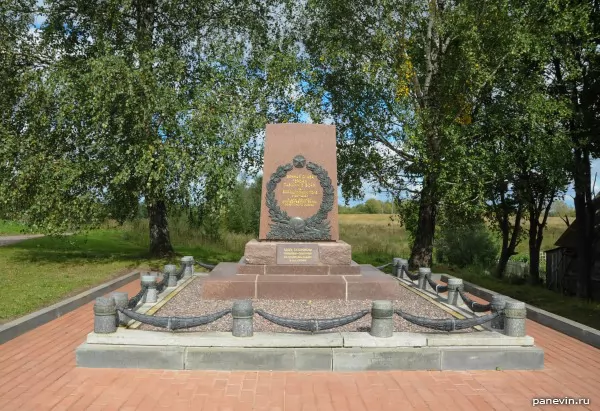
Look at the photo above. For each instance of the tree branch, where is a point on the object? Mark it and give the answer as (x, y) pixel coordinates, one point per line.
(389, 145)
(428, 54)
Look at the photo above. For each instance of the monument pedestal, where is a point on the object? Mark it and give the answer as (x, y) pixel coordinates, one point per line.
(283, 270)
(299, 255)
(285, 258)
(225, 283)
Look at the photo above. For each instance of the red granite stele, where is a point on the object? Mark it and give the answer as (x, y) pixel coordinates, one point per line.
(288, 269)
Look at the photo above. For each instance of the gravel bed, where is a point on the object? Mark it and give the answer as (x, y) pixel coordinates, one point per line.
(188, 303)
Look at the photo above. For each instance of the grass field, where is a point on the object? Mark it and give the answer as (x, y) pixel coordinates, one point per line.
(40, 272)
(365, 229)
(375, 238)
(13, 228)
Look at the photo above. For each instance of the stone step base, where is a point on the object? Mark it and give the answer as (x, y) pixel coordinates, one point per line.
(309, 359)
(224, 283)
(321, 339)
(323, 252)
(297, 269)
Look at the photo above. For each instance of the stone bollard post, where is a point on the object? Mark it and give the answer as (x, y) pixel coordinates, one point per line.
(423, 273)
(453, 286)
(514, 318)
(105, 316)
(171, 270)
(498, 303)
(152, 293)
(242, 313)
(188, 262)
(382, 319)
(121, 300)
(403, 266)
(396, 267)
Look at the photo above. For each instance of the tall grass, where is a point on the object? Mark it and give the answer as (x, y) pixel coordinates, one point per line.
(186, 237)
(375, 238)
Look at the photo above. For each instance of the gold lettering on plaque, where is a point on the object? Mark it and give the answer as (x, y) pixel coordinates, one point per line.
(297, 254)
(299, 190)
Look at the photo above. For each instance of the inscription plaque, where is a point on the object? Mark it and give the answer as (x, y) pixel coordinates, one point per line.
(298, 253)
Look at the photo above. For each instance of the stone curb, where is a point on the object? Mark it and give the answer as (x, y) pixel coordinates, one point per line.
(579, 331)
(28, 322)
(309, 359)
(127, 337)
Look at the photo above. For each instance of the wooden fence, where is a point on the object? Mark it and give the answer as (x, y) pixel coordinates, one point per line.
(520, 269)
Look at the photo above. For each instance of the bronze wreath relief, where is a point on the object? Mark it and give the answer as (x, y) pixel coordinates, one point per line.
(284, 227)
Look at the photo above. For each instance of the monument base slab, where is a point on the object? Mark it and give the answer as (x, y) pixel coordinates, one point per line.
(225, 283)
(297, 269)
(323, 252)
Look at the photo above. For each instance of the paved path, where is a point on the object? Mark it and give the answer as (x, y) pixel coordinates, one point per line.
(37, 372)
(11, 239)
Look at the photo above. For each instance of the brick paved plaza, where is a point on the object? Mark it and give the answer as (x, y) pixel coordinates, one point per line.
(38, 373)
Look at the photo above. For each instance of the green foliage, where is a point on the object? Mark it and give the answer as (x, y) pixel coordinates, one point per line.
(466, 245)
(13, 227)
(521, 258)
(408, 211)
(141, 101)
(346, 210)
(404, 82)
(18, 51)
(242, 213)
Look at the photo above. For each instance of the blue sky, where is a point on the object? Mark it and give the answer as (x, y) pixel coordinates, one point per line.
(595, 174)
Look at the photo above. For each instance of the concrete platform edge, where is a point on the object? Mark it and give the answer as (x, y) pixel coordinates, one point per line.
(308, 359)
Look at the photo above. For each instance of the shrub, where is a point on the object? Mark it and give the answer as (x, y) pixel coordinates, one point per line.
(469, 244)
(242, 215)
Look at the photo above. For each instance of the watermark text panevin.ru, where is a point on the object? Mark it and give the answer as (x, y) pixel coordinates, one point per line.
(560, 401)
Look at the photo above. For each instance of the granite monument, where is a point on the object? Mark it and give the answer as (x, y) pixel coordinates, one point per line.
(298, 254)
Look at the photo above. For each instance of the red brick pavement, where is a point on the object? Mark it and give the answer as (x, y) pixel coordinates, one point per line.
(37, 372)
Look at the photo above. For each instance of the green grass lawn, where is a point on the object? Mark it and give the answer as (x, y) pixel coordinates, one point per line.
(39, 272)
(13, 228)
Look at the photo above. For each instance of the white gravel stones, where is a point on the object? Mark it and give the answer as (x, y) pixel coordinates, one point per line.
(187, 303)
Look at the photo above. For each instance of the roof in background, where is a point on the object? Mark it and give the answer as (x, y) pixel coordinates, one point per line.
(569, 238)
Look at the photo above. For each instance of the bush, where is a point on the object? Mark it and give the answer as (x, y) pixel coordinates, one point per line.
(408, 212)
(242, 215)
(521, 258)
(465, 245)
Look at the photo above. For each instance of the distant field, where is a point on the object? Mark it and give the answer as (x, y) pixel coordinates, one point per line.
(375, 238)
(357, 228)
(375, 219)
